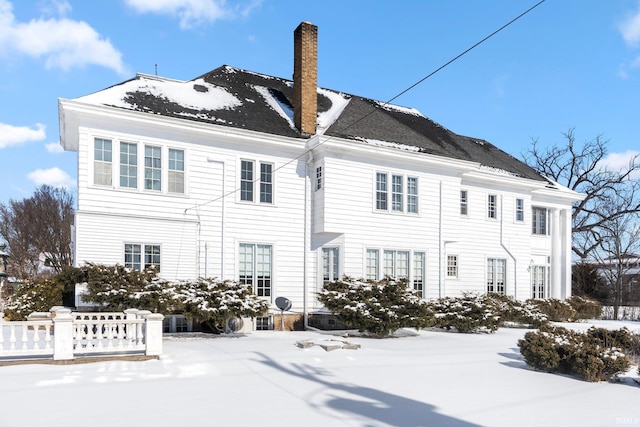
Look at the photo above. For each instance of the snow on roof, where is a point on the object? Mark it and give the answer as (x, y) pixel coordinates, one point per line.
(282, 109)
(338, 103)
(400, 109)
(391, 145)
(194, 95)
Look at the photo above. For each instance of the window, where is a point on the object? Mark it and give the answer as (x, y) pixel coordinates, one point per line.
(539, 220)
(176, 171)
(266, 183)
(381, 191)
(255, 267)
(419, 266)
(519, 210)
(397, 193)
(330, 264)
(496, 275)
(133, 256)
(412, 195)
(463, 202)
(264, 323)
(152, 168)
(491, 206)
(319, 178)
(452, 266)
(128, 165)
(246, 180)
(538, 281)
(102, 161)
(373, 261)
(396, 263)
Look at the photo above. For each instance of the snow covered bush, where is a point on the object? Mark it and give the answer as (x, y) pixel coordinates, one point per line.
(516, 312)
(376, 307)
(213, 301)
(585, 308)
(555, 309)
(596, 355)
(38, 295)
(470, 313)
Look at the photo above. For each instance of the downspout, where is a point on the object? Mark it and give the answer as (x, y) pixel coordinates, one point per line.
(515, 262)
(441, 288)
(222, 223)
(307, 243)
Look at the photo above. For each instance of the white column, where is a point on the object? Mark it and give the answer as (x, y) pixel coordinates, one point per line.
(567, 244)
(63, 334)
(556, 255)
(153, 334)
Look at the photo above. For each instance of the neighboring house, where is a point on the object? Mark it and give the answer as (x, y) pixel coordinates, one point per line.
(285, 186)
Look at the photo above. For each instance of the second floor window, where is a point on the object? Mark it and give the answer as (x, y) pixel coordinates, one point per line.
(492, 209)
(394, 189)
(266, 183)
(319, 178)
(128, 165)
(519, 210)
(152, 168)
(102, 158)
(464, 207)
(452, 266)
(248, 182)
(176, 171)
(539, 220)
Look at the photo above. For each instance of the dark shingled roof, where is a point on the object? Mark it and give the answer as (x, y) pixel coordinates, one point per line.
(361, 119)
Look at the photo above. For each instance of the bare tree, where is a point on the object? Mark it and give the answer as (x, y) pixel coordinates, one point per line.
(582, 168)
(617, 253)
(38, 229)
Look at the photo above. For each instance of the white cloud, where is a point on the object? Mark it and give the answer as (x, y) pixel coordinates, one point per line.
(55, 177)
(62, 42)
(16, 135)
(619, 161)
(193, 13)
(630, 29)
(54, 147)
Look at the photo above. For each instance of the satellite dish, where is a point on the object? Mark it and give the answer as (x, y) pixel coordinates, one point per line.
(283, 303)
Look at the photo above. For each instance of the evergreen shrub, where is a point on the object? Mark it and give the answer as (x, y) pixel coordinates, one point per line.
(585, 308)
(555, 309)
(37, 295)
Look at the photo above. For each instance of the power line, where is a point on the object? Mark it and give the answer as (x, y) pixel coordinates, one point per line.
(384, 103)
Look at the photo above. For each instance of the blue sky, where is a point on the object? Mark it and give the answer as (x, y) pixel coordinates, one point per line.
(566, 64)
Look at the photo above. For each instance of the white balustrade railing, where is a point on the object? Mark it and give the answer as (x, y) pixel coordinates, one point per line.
(64, 335)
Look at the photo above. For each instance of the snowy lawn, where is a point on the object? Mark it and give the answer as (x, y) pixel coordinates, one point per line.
(263, 379)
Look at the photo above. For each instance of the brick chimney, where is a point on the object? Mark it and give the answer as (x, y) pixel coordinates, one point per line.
(305, 77)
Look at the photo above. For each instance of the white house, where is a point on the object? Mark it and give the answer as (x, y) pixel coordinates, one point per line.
(285, 185)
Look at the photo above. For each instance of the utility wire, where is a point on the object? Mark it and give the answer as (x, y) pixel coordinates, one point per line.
(385, 103)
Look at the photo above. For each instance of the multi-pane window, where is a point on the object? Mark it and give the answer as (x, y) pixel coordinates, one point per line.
(419, 266)
(255, 267)
(266, 183)
(538, 281)
(102, 157)
(492, 208)
(397, 195)
(176, 171)
(330, 265)
(128, 165)
(152, 168)
(519, 210)
(452, 266)
(264, 323)
(539, 220)
(381, 191)
(412, 194)
(464, 203)
(246, 180)
(496, 275)
(133, 256)
(394, 190)
(395, 263)
(373, 262)
(319, 178)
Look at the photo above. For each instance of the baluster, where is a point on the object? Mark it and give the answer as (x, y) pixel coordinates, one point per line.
(140, 335)
(2, 328)
(12, 338)
(36, 338)
(110, 345)
(131, 334)
(24, 339)
(99, 334)
(47, 337)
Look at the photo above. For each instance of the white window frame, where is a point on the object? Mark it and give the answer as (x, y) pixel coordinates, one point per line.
(539, 281)
(262, 285)
(176, 171)
(519, 210)
(418, 279)
(492, 206)
(319, 178)
(152, 168)
(496, 270)
(102, 166)
(464, 202)
(331, 265)
(128, 168)
(372, 264)
(453, 266)
(259, 186)
(396, 193)
(539, 221)
(143, 254)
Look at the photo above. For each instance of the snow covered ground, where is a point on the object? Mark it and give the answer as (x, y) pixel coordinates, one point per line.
(264, 379)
